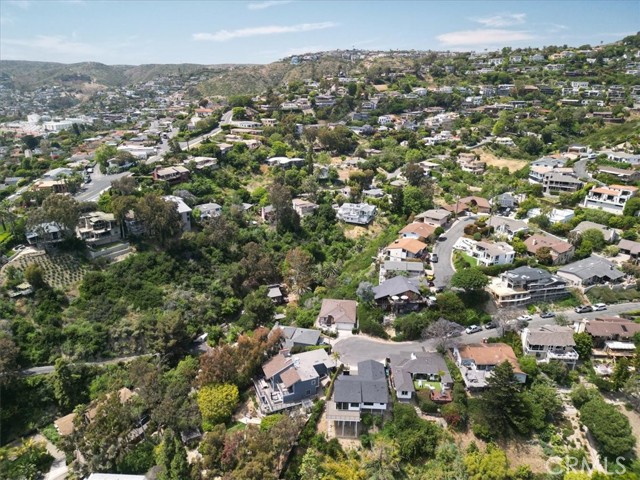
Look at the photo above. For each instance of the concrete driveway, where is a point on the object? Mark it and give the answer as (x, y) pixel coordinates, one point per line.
(443, 270)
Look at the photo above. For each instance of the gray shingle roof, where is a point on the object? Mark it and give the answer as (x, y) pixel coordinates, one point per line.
(368, 386)
(592, 267)
(396, 286)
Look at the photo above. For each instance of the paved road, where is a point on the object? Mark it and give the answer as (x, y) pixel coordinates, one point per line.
(194, 142)
(51, 368)
(357, 348)
(443, 269)
(100, 182)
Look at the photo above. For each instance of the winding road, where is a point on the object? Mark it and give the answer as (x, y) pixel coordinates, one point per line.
(354, 349)
(443, 269)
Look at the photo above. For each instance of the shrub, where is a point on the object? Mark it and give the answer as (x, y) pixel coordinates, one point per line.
(428, 406)
(609, 427)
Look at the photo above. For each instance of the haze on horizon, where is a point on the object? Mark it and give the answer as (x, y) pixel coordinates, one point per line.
(262, 31)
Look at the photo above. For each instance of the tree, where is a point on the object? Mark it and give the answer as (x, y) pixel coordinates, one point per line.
(543, 255)
(8, 359)
(503, 405)
(621, 373)
(103, 154)
(414, 174)
(60, 210)
(365, 292)
(608, 426)
(217, 403)
(298, 268)
(34, 274)
(258, 309)
(469, 279)
(595, 237)
(382, 462)
(160, 217)
(490, 465)
(285, 217)
(124, 185)
(584, 345)
(632, 207)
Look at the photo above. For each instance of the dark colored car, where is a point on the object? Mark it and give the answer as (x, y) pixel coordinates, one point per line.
(442, 238)
(490, 326)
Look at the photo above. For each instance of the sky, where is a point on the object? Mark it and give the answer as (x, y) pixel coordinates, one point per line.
(262, 31)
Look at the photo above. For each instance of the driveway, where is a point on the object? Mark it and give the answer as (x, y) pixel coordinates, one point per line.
(443, 270)
(357, 348)
(100, 182)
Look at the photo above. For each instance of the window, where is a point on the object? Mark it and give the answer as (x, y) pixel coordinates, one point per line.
(355, 405)
(308, 392)
(404, 393)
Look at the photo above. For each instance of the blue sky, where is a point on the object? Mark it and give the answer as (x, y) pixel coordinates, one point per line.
(261, 31)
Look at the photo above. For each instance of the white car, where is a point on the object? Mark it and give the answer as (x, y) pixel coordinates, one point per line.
(473, 329)
(598, 307)
(525, 318)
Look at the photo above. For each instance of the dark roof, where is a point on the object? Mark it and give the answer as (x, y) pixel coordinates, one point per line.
(592, 266)
(368, 386)
(396, 286)
(528, 273)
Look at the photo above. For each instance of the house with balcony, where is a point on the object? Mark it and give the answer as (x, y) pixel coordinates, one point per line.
(556, 215)
(417, 371)
(507, 227)
(288, 380)
(98, 228)
(209, 210)
(487, 253)
(45, 234)
(550, 342)
(363, 391)
(555, 183)
(400, 294)
(592, 270)
(612, 336)
(561, 252)
(171, 175)
(476, 362)
(525, 285)
(612, 198)
(357, 213)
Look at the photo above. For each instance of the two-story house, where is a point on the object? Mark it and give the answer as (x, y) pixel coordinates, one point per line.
(554, 183)
(358, 213)
(418, 231)
(418, 371)
(525, 285)
(409, 269)
(550, 342)
(406, 248)
(183, 209)
(610, 234)
(487, 253)
(612, 198)
(338, 314)
(303, 207)
(592, 270)
(171, 175)
(438, 217)
(98, 228)
(288, 380)
(476, 361)
(357, 393)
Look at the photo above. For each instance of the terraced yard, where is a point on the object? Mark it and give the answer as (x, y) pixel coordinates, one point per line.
(60, 271)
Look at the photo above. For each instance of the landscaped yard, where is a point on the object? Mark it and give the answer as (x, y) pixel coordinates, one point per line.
(459, 257)
(425, 384)
(60, 271)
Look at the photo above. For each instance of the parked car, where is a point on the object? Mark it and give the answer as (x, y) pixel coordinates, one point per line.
(598, 307)
(547, 315)
(490, 326)
(441, 238)
(454, 333)
(584, 309)
(434, 258)
(473, 329)
(525, 318)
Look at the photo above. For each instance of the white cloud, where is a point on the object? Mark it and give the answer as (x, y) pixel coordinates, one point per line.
(53, 44)
(266, 4)
(484, 37)
(225, 35)
(502, 20)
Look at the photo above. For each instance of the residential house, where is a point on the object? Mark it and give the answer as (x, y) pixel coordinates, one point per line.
(98, 228)
(405, 248)
(303, 207)
(203, 162)
(291, 380)
(557, 215)
(409, 269)
(611, 199)
(610, 234)
(561, 251)
(623, 175)
(468, 162)
(630, 248)
(507, 227)
(554, 183)
(56, 186)
(437, 217)
(285, 162)
(399, 293)
(358, 213)
(549, 162)
(45, 234)
(507, 201)
(612, 336)
(592, 270)
(183, 209)
(338, 314)
(208, 210)
(487, 253)
(171, 175)
(298, 337)
(364, 391)
(525, 285)
(374, 193)
(418, 231)
(476, 361)
(623, 157)
(420, 370)
(275, 294)
(469, 204)
(550, 342)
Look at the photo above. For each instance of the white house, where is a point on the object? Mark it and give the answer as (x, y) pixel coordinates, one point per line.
(612, 198)
(183, 209)
(487, 253)
(550, 342)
